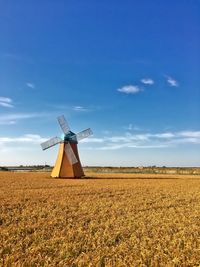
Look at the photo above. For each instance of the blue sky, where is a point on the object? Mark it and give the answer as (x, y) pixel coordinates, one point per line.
(127, 69)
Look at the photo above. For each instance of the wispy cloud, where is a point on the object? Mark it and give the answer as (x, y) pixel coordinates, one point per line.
(6, 105)
(6, 102)
(67, 108)
(172, 82)
(120, 146)
(8, 122)
(80, 108)
(147, 81)
(190, 134)
(30, 85)
(132, 127)
(13, 118)
(145, 140)
(27, 138)
(126, 141)
(93, 140)
(166, 135)
(129, 89)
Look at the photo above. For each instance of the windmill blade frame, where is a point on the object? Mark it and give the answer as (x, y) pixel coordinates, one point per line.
(63, 124)
(51, 142)
(83, 134)
(70, 154)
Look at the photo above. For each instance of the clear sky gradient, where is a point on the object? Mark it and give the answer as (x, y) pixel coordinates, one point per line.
(127, 69)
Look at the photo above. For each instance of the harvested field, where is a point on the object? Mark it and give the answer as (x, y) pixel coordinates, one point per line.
(102, 220)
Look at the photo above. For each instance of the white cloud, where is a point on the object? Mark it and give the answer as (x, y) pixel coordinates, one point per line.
(79, 108)
(185, 140)
(129, 89)
(6, 102)
(117, 139)
(112, 147)
(27, 138)
(27, 143)
(190, 134)
(5, 99)
(145, 140)
(127, 140)
(6, 105)
(149, 146)
(30, 85)
(172, 82)
(25, 148)
(147, 81)
(164, 135)
(92, 140)
(67, 108)
(139, 141)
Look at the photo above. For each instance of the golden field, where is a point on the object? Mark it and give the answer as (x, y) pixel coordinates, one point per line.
(102, 220)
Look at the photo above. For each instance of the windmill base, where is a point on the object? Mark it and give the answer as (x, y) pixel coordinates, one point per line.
(63, 167)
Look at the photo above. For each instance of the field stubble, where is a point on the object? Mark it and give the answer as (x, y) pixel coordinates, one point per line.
(104, 220)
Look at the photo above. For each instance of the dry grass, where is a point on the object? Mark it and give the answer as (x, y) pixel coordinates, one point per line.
(131, 221)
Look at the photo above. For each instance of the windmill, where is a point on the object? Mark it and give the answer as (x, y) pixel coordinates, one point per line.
(68, 163)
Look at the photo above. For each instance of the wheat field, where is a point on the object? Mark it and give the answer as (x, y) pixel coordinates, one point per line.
(102, 220)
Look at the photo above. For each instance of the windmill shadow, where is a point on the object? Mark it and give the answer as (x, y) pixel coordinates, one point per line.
(127, 178)
(113, 178)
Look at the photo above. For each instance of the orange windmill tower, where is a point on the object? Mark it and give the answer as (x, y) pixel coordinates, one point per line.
(68, 163)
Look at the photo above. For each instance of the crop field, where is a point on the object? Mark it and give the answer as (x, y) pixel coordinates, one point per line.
(101, 220)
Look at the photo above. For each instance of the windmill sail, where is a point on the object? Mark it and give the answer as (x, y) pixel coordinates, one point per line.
(51, 142)
(63, 124)
(83, 134)
(70, 154)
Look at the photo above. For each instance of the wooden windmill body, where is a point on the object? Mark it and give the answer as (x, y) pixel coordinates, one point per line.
(64, 167)
(68, 163)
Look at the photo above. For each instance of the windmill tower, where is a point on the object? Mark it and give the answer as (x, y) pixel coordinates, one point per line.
(68, 163)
